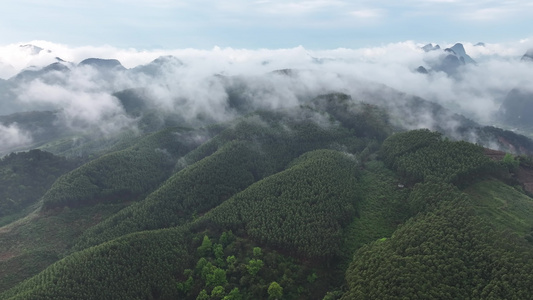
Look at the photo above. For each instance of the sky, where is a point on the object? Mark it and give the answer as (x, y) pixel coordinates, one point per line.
(271, 24)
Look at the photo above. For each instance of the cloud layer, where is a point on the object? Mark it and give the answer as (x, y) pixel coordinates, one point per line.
(197, 84)
(12, 137)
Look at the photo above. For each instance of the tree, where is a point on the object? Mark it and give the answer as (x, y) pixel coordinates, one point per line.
(257, 252)
(217, 292)
(235, 294)
(203, 295)
(186, 286)
(216, 278)
(254, 266)
(231, 260)
(510, 162)
(206, 246)
(275, 291)
(226, 238)
(218, 250)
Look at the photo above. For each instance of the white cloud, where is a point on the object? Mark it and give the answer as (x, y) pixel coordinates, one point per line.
(165, 4)
(297, 7)
(85, 100)
(442, 1)
(509, 51)
(489, 14)
(11, 136)
(454, 12)
(83, 97)
(6, 70)
(367, 13)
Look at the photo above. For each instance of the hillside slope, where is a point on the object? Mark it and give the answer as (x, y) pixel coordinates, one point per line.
(320, 200)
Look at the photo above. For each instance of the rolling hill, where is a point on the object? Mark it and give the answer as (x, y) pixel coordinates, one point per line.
(331, 198)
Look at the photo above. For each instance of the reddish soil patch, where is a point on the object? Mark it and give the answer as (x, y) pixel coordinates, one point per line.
(525, 177)
(494, 154)
(6, 255)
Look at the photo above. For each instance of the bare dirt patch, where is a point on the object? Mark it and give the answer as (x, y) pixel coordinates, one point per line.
(6, 255)
(494, 154)
(525, 176)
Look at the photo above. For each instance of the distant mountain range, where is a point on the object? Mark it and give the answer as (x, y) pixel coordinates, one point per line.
(528, 56)
(155, 68)
(142, 105)
(518, 104)
(449, 62)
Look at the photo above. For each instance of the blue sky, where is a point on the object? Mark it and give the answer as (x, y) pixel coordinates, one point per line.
(314, 24)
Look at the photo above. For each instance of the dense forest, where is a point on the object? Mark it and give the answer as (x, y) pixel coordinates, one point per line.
(327, 200)
(26, 176)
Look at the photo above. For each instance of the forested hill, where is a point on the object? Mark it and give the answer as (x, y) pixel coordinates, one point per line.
(327, 200)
